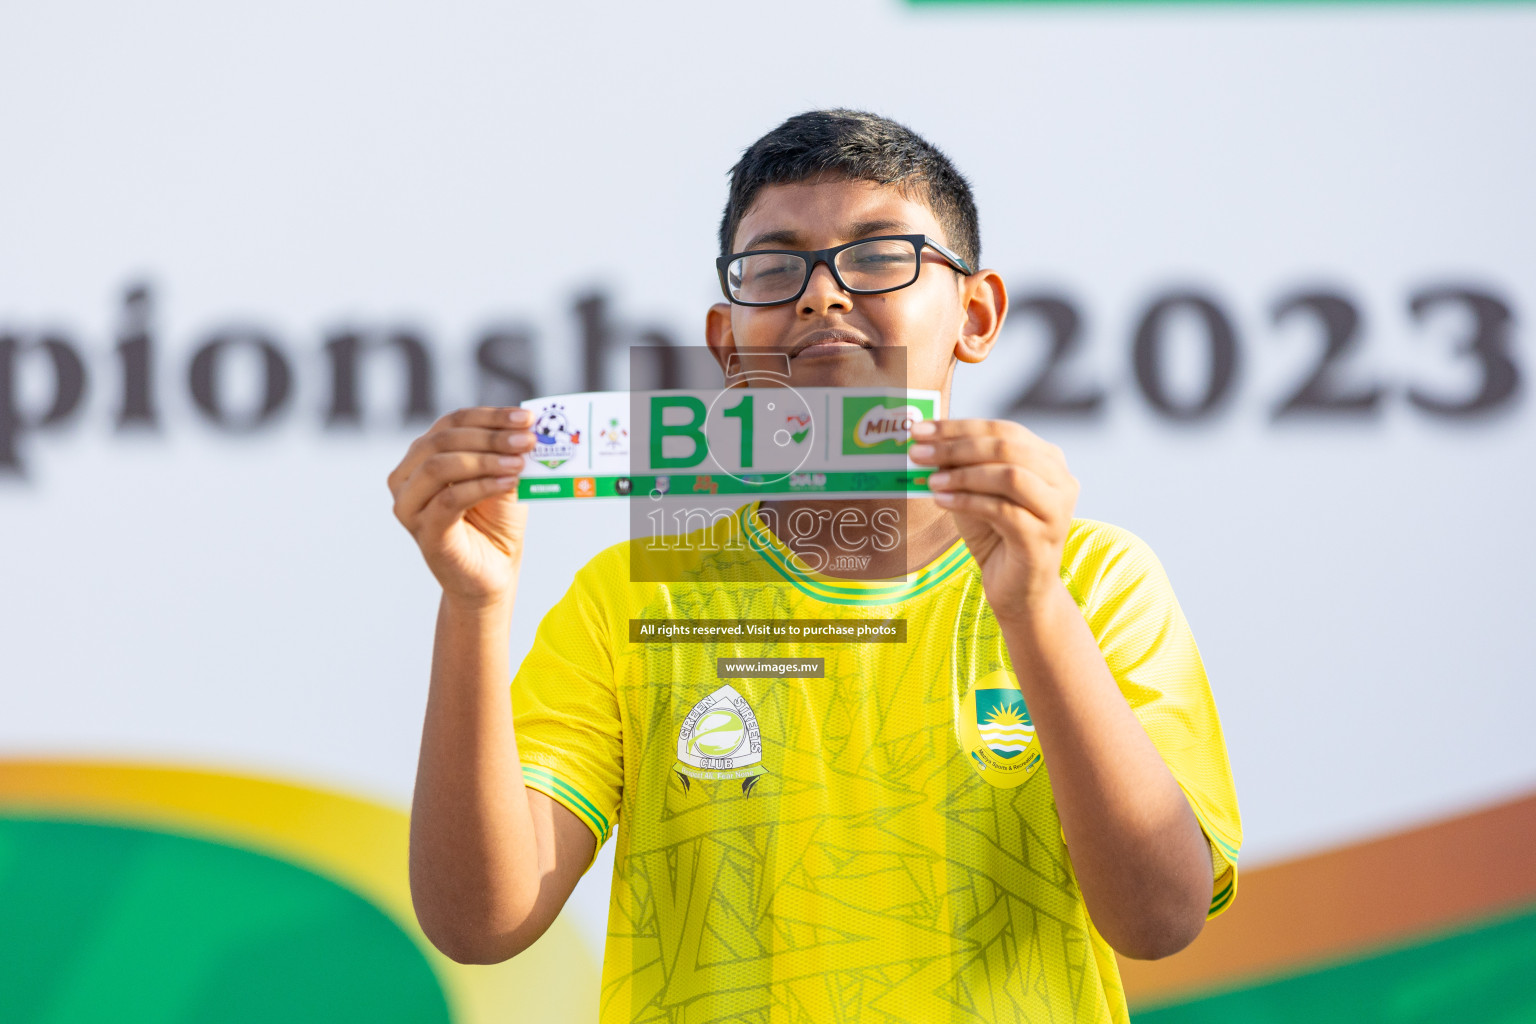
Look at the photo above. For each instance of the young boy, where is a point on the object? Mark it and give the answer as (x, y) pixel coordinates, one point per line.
(962, 826)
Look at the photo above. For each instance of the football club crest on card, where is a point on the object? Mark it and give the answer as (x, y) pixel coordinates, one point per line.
(719, 739)
(554, 440)
(997, 732)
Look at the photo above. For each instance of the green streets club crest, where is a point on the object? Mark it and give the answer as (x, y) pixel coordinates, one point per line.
(996, 731)
(719, 739)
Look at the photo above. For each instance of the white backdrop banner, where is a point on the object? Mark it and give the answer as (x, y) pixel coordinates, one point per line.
(1272, 272)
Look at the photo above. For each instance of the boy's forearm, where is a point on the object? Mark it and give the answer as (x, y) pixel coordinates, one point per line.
(475, 861)
(1136, 847)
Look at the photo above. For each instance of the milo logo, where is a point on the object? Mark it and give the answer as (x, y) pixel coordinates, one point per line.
(877, 425)
(882, 424)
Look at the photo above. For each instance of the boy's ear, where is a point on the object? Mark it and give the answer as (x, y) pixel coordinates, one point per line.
(718, 334)
(985, 299)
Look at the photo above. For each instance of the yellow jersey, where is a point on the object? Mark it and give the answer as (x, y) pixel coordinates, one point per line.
(878, 844)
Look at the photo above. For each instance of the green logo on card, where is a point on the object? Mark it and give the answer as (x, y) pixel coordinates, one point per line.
(881, 426)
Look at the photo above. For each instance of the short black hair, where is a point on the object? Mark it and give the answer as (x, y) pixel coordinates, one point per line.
(859, 146)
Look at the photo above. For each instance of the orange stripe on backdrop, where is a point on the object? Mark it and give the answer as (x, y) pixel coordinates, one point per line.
(1346, 902)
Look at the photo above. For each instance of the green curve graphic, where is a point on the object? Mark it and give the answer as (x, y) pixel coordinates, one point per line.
(1482, 974)
(100, 922)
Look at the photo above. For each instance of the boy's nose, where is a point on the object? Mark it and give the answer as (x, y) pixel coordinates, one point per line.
(823, 294)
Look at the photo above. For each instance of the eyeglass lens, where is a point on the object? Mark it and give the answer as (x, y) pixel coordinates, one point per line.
(877, 265)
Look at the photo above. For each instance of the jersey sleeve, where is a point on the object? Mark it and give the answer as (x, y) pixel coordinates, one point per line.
(1129, 606)
(565, 708)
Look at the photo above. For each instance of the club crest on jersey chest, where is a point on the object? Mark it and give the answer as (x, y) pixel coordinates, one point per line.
(996, 731)
(719, 739)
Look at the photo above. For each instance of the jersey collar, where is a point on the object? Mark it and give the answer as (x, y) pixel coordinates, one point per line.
(835, 590)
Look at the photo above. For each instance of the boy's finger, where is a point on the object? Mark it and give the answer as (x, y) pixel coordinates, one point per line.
(459, 439)
(1016, 484)
(477, 439)
(1000, 512)
(454, 500)
(929, 429)
(1020, 436)
(969, 450)
(485, 416)
(450, 469)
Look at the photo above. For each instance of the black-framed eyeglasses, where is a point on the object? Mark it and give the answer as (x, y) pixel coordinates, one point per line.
(769, 277)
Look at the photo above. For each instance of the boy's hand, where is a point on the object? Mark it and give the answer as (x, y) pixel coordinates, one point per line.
(456, 492)
(1011, 497)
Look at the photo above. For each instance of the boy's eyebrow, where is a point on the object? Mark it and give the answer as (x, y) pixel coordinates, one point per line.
(874, 227)
(789, 238)
(783, 237)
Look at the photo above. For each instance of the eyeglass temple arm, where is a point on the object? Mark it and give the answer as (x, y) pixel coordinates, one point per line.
(950, 255)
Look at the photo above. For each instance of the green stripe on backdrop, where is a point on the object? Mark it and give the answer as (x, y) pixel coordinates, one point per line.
(106, 923)
(1482, 975)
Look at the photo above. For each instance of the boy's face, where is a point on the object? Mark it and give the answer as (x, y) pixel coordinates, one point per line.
(835, 337)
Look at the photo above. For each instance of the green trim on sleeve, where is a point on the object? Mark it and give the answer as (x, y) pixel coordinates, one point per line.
(1224, 884)
(1223, 895)
(1227, 849)
(1224, 846)
(551, 785)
